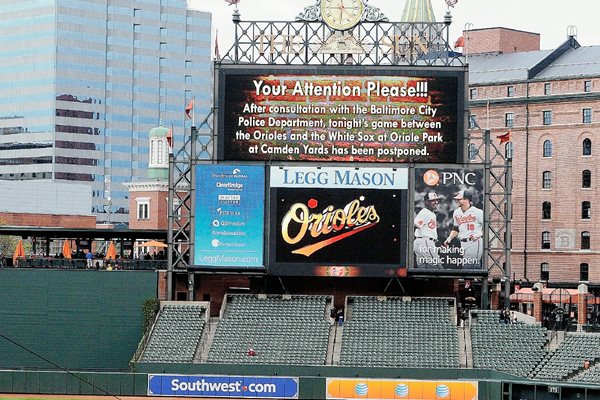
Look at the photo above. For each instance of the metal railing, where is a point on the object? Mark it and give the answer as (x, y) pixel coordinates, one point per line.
(81, 264)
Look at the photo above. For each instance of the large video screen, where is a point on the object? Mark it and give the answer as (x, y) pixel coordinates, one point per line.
(229, 216)
(341, 114)
(338, 221)
(448, 224)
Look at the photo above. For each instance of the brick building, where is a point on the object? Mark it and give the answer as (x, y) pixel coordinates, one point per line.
(547, 99)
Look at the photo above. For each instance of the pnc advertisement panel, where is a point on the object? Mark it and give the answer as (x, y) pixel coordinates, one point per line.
(338, 221)
(256, 387)
(392, 389)
(448, 222)
(229, 216)
(350, 114)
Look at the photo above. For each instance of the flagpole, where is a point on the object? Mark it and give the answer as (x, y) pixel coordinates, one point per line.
(488, 115)
(193, 109)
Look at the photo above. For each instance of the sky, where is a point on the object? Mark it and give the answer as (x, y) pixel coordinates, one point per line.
(549, 18)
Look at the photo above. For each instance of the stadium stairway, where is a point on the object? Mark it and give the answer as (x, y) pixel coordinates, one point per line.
(206, 341)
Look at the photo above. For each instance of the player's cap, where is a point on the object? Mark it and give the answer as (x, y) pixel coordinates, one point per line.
(432, 196)
(461, 194)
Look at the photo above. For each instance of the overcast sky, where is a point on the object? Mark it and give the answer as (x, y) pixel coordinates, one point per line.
(550, 18)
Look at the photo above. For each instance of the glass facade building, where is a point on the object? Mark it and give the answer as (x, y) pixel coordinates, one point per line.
(82, 82)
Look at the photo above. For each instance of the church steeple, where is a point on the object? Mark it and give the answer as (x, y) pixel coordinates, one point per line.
(418, 11)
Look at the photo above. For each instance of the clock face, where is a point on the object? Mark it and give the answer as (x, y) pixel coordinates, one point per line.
(341, 14)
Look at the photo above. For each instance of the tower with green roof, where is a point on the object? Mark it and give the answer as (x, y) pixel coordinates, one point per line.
(418, 11)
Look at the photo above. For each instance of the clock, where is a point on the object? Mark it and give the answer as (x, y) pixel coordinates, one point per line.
(341, 14)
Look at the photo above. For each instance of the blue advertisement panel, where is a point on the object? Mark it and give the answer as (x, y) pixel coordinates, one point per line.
(256, 387)
(229, 216)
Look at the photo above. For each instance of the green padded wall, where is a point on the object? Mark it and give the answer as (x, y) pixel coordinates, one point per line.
(76, 319)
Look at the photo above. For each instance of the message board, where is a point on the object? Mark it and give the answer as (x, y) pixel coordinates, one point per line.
(349, 114)
(449, 220)
(338, 221)
(229, 216)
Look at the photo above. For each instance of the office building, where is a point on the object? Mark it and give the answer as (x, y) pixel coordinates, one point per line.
(549, 101)
(82, 82)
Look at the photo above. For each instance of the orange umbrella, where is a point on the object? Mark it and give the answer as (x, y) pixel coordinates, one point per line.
(153, 243)
(111, 253)
(66, 250)
(19, 251)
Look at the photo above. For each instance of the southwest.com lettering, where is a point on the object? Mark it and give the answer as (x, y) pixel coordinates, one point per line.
(223, 386)
(203, 386)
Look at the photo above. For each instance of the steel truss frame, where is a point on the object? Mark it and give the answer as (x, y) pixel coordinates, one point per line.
(301, 43)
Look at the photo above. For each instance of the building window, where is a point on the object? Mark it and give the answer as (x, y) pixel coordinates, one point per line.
(136, 12)
(587, 147)
(163, 32)
(587, 115)
(546, 210)
(509, 120)
(473, 93)
(547, 148)
(143, 208)
(584, 272)
(546, 180)
(547, 117)
(546, 240)
(510, 91)
(473, 121)
(585, 240)
(188, 64)
(545, 271)
(473, 151)
(163, 46)
(586, 179)
(586, 210)
(587, 86)
(509, 150)
(547, 88)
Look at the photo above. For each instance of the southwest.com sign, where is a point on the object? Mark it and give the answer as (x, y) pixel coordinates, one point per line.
(223, 386)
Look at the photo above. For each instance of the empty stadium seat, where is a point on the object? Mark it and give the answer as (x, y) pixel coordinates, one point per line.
(281, 329)
(176, 334)
(394, 332)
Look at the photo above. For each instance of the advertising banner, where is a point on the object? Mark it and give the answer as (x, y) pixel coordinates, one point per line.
(389, 389)
(229, 216)
(223, 386)
(338, 221)
(448, 220)
(365, 114)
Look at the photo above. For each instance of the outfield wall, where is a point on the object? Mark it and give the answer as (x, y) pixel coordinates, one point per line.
(311, 381)
(83, 320)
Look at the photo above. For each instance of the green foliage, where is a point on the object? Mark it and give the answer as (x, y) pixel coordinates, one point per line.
(149, 310)
(7, 243)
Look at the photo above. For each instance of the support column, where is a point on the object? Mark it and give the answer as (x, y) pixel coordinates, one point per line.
(537, 302)
(582, 291)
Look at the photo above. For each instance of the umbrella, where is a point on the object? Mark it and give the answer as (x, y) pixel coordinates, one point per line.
(111, 253)
(66, 250)
(19, 251)
(153, 243)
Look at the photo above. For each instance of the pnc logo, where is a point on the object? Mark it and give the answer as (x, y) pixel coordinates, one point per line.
(431, 177)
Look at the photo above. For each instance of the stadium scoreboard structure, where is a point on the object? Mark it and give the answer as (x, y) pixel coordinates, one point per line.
(321, 167)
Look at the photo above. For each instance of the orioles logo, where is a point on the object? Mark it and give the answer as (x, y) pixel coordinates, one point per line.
(431, 177)
(350, 220)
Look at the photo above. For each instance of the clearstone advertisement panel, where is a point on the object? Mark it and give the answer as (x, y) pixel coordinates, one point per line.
(229, 216)
(350, 114)
(338, 221)
(448, 220)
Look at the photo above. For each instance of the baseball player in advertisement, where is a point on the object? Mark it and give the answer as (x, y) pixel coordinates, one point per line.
(426, 241)
(467, 227)
(448, 220)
